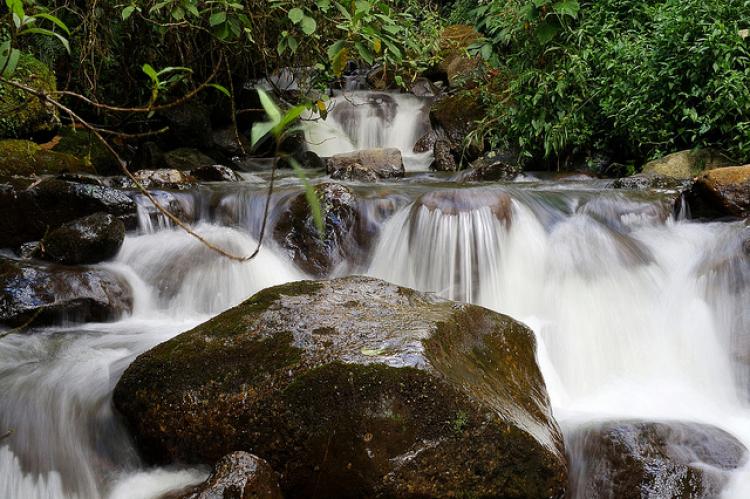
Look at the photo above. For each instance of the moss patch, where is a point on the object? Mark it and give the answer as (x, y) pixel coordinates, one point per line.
(25, 158)
(22, 115)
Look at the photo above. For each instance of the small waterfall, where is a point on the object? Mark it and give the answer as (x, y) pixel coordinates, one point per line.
(371, 120)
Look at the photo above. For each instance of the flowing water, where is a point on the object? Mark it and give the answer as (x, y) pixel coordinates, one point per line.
(638, 313)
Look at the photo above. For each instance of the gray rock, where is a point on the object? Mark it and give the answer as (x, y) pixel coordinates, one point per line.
(384, 163)
(90, 239)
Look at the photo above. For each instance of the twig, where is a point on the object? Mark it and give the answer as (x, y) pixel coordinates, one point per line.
(6, 434)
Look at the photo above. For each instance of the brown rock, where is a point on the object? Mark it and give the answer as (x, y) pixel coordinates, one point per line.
(384, 163)
(239, 475)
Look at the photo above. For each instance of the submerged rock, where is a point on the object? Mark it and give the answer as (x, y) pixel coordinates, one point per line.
(28, 212)
(354, 388)
(317, 254)
(381, 163)
(721, 192)
(215, 173)
(685, 164)
(637, 459)
(90, 239)
(239, 475)
(42, 294)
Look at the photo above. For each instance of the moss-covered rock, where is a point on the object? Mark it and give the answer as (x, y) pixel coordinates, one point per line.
(85, 146)
(89, 239)
(456, 116)
(721, 192)
(455, 61)
(21, 114)
(239, 475)
(26, 158)
(637, 459)
(354, 388)
(685, 164)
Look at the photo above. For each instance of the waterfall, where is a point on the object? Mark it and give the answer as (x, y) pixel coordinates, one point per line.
(372, 120)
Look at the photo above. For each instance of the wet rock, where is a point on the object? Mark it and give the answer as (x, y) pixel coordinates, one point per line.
(423, 87)
(90, 239)
(225, 143)
(686, 164)
(455, 63)
(721, 192)
(493, 166)
(215, 173)
(163, 178)
(148, 156)
(634, 459)
(354, 388)
(84, 145)
(443, 157)
(43, 294)
(186, 159)
(239, 475)
(28, 212)
(383, 163)
(26, 158)
(355, 171)
(189, 123)
(457, 115)
(426, 142)
(643, 182)
(24, 116)
(314, 253)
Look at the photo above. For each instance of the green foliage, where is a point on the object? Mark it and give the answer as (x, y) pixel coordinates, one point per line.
(637, 78)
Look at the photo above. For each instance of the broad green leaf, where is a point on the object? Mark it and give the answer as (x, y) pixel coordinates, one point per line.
(364, 53)
(567, 8)
(311, 196)
(217, 18)
(270, 107)
(296, 15)
(334, 49)
(151, 73)
(54, 20)
(259, 131)
(220, 88)
(546, 32)
(8, 58)
(127, 12)
(309, 25)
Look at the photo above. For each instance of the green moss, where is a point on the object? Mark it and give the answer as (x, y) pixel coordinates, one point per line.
(84, 145)
(22, 115)
(25, 158)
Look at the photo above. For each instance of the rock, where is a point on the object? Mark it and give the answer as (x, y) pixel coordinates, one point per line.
(190, 124)
(443, 158)
(455, 63)
(423, 87)
(355, 171)
(383, 163)
(84, 145)
(457, 115)
(721, 192)
(186, 159)
(26, 158)
(493, 166)
(43, 294)
(225, 143)
(21, 115)
(642, 182)
(295, 230)
(354, 388)
(148, 156)
(90, 239)
(239, 475)
(685, 164)
(636, 459)
(28, 212)
(426, 142)
(163, 178)
(215, 173)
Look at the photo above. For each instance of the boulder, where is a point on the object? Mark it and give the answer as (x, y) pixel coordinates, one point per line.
(455, 62)
(643, 182)
(383, 163)
(89, 239)
(186, 159)
(23, 116)
(43, 294)
(26, 158)
(189, 123)
(354, 388)
(423, 87)
(721, 192)
(315, 253)
(163, 178)
(493, 166)
(636, 459)
(456, 116)
(83, 144)
(685, 164)
(215, 173)
(148, 156)
(239, 475)
(28, 212)
(225, 143)
(443, 160)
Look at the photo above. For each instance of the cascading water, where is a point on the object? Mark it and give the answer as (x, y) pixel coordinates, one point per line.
(371, 120)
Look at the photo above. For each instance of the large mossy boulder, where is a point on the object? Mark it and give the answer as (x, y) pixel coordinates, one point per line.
(354, 387)
(369, 164)
(29, 210)
(685, 164)
(721, 192)
(455, 117)
(89, 239)
(637, 459)
(239, 475)
(84, 145)
(22, 115)
(38, 294)
(316, 253)
(455, 62)
(26, 158)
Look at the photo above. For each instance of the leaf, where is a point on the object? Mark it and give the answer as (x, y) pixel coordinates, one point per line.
(127, 12)
(259, 131)
(567, 8)
(288, 118)
(309, 25)
(312, 197)
(296, 15)
(270, 107)
(151, 73)
(334, 49)
(217, 18)
(339, 62)
(546, 32)
(220, 88)
(46, 32)
(54, 20)
(372, 352)
(8, 59)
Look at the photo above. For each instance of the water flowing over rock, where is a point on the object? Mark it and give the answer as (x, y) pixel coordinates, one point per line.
(42, 294)
(90, 239)
(354, 387)
(371, 164)
(721, 192)
(28, 211)
(239, 475)
(215, 173)
(492, 166)
(634, 459)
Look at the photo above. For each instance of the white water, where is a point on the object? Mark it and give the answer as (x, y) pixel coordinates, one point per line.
(637, 315)
(372, 120)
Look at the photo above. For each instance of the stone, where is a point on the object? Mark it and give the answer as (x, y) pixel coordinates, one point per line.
(637, 459)
(148, 156)
(721, 192)
(642, 182)
(84, 145)
(225, 143)
(163, 178)
(686, 164)
(189, 124)
(186, 159)
(32, 293)
(443, 157)
(239, 475)
(493, 166)
(455, 62)
(318, 254)
(28, 211)
(215, 173)
(26, 158)
(456, 116)
(86, 240)
(23, 116)
(354, 387)
(383, 163)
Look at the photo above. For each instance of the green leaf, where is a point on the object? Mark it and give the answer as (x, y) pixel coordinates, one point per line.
(309, 25)
(220, 88)
(8, 58)
(127, 12)
(334, 49)
(364, 53)
(217, 18)
(567, 8)
(54, 20)
(270, 107)
(311, 196)
(46, 32)
(151, 73)
(296, 15)
(546, 32)
(259, 131)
